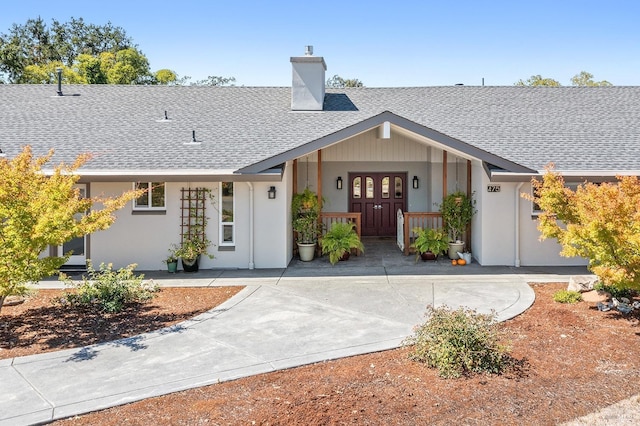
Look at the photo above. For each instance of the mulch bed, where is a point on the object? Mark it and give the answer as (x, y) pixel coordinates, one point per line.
(573, 360)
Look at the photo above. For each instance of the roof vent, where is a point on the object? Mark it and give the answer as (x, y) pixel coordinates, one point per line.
(59, 72)
(165, 119)
(194, 141)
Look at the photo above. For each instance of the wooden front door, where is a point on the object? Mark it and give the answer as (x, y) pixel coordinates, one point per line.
(378, 196)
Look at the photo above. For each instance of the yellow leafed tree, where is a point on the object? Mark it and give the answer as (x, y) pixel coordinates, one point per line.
(38, 211)
(600, 222)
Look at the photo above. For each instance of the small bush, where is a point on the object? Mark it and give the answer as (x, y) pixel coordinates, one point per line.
(614, 291)
(459, 342)
(567, 296)
(108, 290)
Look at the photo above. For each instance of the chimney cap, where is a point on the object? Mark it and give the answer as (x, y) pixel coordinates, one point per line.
(308, 50)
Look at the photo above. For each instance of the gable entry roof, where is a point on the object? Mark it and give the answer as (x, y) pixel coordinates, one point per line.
(246, 132)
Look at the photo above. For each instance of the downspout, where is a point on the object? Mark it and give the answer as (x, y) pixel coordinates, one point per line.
(251, 242)
(517, 225)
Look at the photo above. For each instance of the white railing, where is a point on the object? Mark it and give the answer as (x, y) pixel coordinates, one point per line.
(400, 229)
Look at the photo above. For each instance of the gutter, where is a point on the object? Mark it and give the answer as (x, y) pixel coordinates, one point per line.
(517, 225)
(251, 238)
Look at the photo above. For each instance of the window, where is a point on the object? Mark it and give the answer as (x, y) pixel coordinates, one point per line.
(227, 213)
(385, 187)
(535, 208)
(398, 187)
(357, 182)
(153, 198)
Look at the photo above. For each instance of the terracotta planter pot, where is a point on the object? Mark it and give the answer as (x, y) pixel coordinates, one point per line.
(428, 256)
(345, 256)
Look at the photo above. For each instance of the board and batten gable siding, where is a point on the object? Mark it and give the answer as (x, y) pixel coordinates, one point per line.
(367, 153)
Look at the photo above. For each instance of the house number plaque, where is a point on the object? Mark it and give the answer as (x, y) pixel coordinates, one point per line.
(493, 188)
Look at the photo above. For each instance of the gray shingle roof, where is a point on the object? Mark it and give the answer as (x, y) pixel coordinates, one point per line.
(579, 128)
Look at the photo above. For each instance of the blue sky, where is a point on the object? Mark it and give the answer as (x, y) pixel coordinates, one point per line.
(382, 43)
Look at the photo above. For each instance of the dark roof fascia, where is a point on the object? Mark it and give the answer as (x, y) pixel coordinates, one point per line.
(270, 175)
(374, 121)
(593, 177)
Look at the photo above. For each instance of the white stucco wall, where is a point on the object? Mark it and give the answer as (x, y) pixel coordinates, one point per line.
(145, 238)
(494, 238)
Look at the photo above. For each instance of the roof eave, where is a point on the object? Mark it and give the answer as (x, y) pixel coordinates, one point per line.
(377, 120)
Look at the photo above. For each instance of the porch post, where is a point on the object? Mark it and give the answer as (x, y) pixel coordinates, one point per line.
(444, 174)
(295, 176)
(319, 176)
(469, 190)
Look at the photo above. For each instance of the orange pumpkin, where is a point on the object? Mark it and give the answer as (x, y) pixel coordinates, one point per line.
(462, 262)
(454, 262)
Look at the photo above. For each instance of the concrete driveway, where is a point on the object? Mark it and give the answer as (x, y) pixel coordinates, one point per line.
(283, 318)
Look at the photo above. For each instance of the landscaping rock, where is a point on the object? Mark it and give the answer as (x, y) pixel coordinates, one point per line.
(595, 296)
(13, 300)
(582, 283)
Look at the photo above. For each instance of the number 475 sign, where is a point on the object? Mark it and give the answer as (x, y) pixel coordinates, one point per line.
(493, 188)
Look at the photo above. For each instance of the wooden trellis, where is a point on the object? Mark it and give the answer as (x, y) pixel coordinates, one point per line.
(193, 218)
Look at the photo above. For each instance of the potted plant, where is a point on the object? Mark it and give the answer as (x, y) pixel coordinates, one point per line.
(190, 251)
(429, 243)
(172, 259)
(305, 213)
(457, 210)
(339, 241)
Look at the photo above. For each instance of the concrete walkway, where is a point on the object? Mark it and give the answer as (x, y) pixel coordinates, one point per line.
(283, 318)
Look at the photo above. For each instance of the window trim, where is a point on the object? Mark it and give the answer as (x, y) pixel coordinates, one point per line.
(221, 242)
(150, 207)
(537, 212)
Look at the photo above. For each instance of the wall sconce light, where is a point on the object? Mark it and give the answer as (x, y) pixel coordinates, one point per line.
(272, 193)
(339, 182)
(416, 182)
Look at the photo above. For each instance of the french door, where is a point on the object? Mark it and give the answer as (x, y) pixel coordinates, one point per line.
(378, 196)
(77, 246)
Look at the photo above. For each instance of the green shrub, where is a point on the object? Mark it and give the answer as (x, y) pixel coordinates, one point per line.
(567, 296)
(108, 290)
(614, 291)
(459, 342)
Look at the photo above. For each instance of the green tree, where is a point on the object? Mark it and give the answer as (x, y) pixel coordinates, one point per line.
(338, 82)
(586, 79)
(538, 80)
(38, 211)
(165, 76)
(600, 222)
(90, 68)
(127, 66)
(47, 74)
(214, 80)
(33, 43)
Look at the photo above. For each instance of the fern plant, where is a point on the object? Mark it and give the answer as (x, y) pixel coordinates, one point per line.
(340, 239)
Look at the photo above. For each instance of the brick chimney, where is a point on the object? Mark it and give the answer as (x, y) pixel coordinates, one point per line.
(307, 89)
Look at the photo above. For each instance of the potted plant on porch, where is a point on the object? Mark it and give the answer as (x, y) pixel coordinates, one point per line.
(172, 259)
(457, 210)
(305, 213)
(339, 240)
(429, 243)
(190, 251)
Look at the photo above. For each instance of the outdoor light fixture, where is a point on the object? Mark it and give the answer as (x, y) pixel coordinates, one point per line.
(59, 72)
(272, 193)
(416, 182)
(2, 154)
(339, 182)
